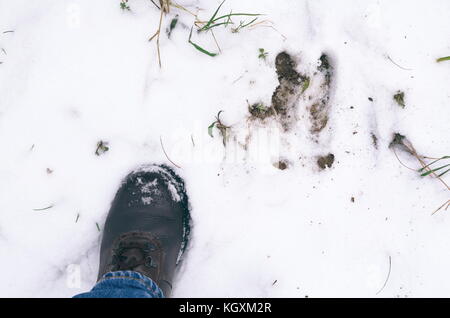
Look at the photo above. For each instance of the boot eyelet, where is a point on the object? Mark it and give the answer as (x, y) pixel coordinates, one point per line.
(149, 262)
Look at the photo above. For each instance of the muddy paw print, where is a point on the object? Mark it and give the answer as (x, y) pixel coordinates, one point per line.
(296, 118)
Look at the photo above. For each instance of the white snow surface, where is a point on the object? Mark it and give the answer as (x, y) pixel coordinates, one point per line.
(75, 72)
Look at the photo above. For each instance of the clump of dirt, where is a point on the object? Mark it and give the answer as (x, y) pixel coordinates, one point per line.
(374, 140)
(282, 164)
(400, 99)
(319, 111)
(397, 140)
(102, 147)
(285, 66)
(325, 161)
(259, 110)
(325, 67)
(400, 141)
(292, 85)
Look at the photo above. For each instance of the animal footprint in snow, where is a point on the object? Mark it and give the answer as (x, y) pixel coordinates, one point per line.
(297, 92)
(293, 123)
(301, 98)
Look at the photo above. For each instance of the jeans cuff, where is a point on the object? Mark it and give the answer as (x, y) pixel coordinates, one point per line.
(145, 281)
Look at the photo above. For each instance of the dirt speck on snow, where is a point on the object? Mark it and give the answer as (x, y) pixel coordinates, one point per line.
(400, 99)
(282, 164)
(325, 161)
(374, 140)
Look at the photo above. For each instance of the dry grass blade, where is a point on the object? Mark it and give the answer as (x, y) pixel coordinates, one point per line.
(165, 153)
(43, 209)
(156, 4)
(157, 34)
(165, 5)
(396, 64)
(176, 5)
(401, 162)
(388, 275)
(157, 38)
(447, 204)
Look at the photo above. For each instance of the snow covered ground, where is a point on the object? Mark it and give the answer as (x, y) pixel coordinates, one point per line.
(75, 72)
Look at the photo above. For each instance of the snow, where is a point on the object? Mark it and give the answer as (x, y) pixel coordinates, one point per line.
(76, 72)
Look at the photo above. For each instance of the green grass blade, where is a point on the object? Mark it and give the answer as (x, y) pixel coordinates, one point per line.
(430, 164)
(244, 25)
(443, 173)
(216, 25)
(237, 14)
(210, 129)
(442, 59)
(212, 18)
(199, 48)
(434, 170)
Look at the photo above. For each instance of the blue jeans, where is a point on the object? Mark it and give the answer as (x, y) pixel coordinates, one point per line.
(124, 284)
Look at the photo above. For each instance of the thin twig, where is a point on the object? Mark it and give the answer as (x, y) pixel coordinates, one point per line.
(176, 5)
(153, 36)
(395, 153)
(441, 207)
(165, 5)
(403, 68)
(155, 5)
(431, 158)
(215, 40)
(388, 275)
(236, 80)
(157, 39)
(46, 208)
(162, 146)
(261, 24)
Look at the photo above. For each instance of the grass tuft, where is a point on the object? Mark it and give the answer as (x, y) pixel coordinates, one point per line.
(220, 126)
(401, 142)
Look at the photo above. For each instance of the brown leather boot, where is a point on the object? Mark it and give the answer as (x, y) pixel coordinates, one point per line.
(148, 225)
